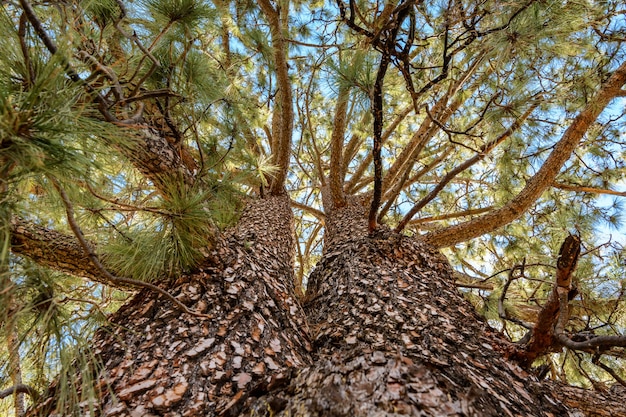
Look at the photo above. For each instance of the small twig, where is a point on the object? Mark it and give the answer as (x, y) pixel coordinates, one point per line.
(103, 106)
(117, 88)
(596, 361)
(163, 92)
(501, 310)
(24, 46)
(135, 118)
(96, 262)
(126, 205)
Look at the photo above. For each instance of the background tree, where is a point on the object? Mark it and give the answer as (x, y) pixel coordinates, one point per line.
(156, 150)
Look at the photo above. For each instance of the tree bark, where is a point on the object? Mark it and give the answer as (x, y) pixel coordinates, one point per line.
(157, 361)
(52, 249)
(382, 331)
(392, 335)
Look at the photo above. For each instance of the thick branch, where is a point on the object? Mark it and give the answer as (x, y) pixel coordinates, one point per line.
(542, 179)
(151, 154)
(335, 180)
(284, 127)
(591, 403)
(52, 249)
(157, 159)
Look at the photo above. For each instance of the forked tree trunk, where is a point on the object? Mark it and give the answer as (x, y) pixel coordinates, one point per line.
(390, 335)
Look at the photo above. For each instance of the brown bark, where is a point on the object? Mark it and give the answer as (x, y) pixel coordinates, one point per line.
(541, 338)
(157, 159)
(283, 113)
(590, 403)
(335, 179)
(52, 249)
(158, 361)
(562, 151)
(389, 332)
(392, 336)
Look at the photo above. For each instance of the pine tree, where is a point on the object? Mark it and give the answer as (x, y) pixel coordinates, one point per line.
(168, 169)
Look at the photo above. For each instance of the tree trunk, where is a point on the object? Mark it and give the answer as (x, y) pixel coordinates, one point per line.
(392, 335)
(157, 361)
(389, 335)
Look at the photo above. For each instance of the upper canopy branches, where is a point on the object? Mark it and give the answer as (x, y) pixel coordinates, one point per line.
(477, 81)
(457, 103)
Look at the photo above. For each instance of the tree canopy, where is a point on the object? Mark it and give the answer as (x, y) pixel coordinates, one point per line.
(133, 133)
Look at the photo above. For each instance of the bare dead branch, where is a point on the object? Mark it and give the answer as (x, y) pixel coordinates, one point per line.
(547, 333)
(501, 310)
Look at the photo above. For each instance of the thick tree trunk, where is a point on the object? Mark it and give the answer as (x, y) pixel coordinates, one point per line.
(389, 335)
(157, 361)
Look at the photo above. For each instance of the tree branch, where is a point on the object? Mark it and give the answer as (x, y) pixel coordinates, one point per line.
(151, 154)
(52, 249)
(584, 189)
(20, 389)
(424, 133)
(352, 185)
(469, 212)
(284, 108)
(315, 212)
(103, 271)
(483, 152)
(335, 180)
(535, 186)
(501, 310)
